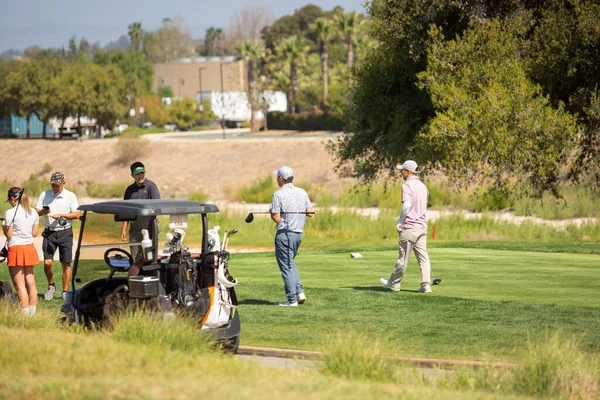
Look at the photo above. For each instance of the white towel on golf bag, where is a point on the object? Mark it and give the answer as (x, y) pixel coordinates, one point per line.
(220, 311)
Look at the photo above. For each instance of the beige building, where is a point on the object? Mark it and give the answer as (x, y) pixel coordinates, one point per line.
(190, 76)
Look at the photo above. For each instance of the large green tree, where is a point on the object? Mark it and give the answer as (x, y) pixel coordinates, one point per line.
(297, 24)
(565, 60)
(492, 124)
(109, 98)
(26, 90)
(403, 105)
(50, 90)
(138, 70)
(7, 106)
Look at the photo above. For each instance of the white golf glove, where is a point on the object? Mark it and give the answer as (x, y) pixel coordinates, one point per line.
(399, 227)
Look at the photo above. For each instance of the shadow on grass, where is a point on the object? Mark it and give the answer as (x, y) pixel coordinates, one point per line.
(256, 302)
(374, 289)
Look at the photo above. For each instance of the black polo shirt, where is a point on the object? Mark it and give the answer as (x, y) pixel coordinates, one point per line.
(147, 190)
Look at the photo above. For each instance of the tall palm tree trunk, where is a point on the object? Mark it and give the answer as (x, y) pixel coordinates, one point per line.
(349, 64)
(252, 96)
(324, 75)
(293, 87)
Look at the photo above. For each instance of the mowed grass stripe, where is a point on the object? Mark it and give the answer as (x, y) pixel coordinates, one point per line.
(417, 325)
(554, 278)
(488, 304)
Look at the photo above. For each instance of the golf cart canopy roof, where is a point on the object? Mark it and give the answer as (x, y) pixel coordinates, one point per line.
(150, 207)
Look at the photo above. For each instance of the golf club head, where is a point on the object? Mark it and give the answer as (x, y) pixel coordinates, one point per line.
(437, 281)
(249, 218)
(233, 232)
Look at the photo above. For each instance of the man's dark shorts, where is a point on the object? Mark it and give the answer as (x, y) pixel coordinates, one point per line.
(61, 240)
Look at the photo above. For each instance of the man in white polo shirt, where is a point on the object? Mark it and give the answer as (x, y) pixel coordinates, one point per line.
(59, 206)
(412, 229)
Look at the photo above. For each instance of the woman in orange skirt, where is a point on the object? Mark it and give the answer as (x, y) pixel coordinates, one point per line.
(20, 227)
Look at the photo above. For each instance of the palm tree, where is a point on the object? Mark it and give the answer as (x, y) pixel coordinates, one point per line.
(253, 53)
(136, 34)
(291, 50)
(347, 26)
(212, 39)
(324, 30)
(363, 44)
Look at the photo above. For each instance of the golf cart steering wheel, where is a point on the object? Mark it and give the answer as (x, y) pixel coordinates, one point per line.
(118, 260)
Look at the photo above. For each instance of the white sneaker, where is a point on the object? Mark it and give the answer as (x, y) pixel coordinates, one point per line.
(50, 293)
(301, 298)
(288, 304)
(425, 289)
(395, 287)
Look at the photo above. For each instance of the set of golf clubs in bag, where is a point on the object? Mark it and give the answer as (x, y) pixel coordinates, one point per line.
(250, 218)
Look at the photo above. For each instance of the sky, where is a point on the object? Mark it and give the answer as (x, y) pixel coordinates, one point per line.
(50, 23)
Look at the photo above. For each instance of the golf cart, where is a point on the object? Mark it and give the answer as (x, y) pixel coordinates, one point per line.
(174, 282)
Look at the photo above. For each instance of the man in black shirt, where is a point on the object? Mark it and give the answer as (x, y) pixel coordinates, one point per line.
(142, 188)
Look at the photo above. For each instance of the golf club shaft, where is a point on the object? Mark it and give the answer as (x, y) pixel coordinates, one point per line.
(283, 212)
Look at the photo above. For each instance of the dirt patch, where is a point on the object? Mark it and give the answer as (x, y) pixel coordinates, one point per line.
(179, 167)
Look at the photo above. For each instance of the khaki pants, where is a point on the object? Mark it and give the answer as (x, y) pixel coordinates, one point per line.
(412, 239)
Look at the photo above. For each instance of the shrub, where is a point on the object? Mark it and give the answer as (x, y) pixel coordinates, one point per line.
(105, 191)
(260, 191)
(199, 196)
(305, 121)
(130, 148)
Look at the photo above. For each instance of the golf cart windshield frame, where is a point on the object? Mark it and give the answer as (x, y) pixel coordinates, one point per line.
(146, 208)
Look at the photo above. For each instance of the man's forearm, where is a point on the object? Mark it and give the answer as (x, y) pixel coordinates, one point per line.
(403, 211)
(72, 215)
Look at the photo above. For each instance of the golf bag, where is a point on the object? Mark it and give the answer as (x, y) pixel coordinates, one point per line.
(223, 299)
(182, 278)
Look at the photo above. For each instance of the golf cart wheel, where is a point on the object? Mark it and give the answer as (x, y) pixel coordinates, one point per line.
(230, 345)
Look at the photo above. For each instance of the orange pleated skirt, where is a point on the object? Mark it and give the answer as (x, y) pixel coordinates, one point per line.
(22, 255)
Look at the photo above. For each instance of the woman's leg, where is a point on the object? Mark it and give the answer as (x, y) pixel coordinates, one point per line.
(30, 284)
(18, 277)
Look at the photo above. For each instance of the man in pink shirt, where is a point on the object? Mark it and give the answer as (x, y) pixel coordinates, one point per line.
(412, 229)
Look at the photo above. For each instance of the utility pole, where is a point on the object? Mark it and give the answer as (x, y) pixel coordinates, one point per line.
(223, 102)
(180, 82)
(201, 96)
(131, 99)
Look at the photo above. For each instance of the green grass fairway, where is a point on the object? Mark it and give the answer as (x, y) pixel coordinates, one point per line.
(489, 302)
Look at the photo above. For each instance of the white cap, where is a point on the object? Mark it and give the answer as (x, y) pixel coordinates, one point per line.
(284, 172)
(409, 165)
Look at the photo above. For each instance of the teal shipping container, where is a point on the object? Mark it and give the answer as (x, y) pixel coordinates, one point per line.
(15, 125)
